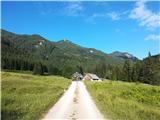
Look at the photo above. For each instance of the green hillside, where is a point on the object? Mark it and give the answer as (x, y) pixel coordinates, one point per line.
(29, 49)
(37, 54)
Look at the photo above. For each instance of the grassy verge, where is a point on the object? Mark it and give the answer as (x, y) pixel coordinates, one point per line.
(126, 101)
(27, 97)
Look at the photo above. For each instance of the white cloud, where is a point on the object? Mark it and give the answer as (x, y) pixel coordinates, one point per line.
(145, 16)
(113, 15)
(153, 37)
(74, 9)
(95, 15)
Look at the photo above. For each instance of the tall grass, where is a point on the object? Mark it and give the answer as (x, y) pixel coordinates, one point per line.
(28, 97)
(126, 101)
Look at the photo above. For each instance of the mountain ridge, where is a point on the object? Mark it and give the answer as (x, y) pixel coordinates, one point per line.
(34, 52)
(66, 41)
(60, 54)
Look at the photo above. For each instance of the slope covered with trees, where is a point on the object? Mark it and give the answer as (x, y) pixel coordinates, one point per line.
(37, 54)
(31, 52)
(145, 71)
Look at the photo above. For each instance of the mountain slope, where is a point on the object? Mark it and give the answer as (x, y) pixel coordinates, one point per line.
(62, 54)
(124, 55)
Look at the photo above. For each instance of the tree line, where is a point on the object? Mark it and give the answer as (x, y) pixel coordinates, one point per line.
(145, 71)
(23, 52)
(37, 66)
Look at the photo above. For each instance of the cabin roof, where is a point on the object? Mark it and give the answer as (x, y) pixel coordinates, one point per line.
(94, 76)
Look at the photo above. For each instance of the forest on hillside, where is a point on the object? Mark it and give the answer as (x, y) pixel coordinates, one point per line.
(35, 53)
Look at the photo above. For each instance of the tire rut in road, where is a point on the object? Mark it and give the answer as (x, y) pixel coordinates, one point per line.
(74, 113)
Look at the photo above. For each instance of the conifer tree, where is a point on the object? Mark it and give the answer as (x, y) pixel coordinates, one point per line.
(38, 69)
(127, 71)
(148, 70)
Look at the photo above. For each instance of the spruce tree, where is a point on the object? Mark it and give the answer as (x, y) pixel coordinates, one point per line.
(127, 71)
(148, 71)
(136, 71)
(114, 74)
(38, 69)
(80, 69)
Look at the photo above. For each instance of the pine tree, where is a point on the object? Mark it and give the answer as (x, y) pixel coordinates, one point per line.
(68, 71)
(149, 55)
(118, 73)
(103, 70)
(136, 71)
(127, 71)
(109, 72)
(80, 69)
(148, 71)
(38, 69)
(23, 65)
(53, 70)
(114, 74)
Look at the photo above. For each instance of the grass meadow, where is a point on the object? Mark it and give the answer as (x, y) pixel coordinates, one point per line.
(28, 97)
(126, 101)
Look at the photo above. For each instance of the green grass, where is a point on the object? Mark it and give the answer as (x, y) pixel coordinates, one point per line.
(126, 101)
(27, 96)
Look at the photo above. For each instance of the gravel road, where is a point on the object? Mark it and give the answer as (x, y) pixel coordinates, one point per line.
(76, 103)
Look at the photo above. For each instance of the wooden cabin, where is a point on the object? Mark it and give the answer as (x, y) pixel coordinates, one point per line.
(91, 77)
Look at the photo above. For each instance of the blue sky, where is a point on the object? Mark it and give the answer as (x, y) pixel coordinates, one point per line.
(132, 27)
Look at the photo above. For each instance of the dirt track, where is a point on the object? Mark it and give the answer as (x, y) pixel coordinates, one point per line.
(76, 103)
